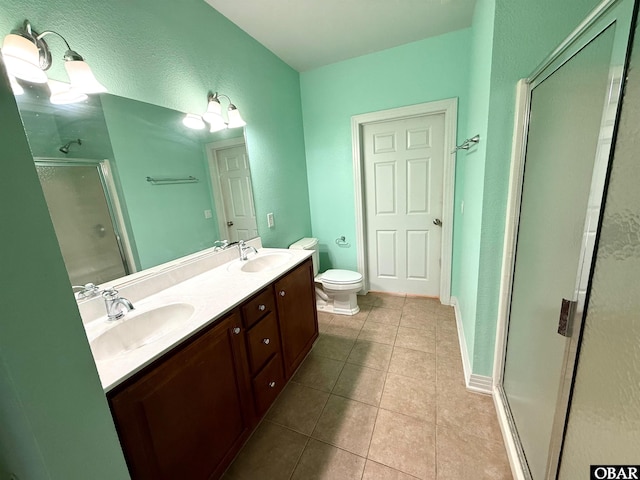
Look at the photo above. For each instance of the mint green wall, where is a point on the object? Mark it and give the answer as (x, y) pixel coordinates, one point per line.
(171, 54)
(423, 71)
(166, 221)
(54, 416)
(470, 174)
(524, 34)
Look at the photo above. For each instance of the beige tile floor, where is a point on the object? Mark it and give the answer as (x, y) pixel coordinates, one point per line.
(380, 397)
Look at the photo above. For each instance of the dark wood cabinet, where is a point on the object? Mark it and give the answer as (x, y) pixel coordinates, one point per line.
(297, 315)
(188, 416)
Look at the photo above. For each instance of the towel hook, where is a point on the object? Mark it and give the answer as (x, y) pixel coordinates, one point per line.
(467, 144)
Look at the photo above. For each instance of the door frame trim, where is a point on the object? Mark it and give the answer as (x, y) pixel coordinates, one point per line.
(448, 107)
(513, 446)
(214, 173)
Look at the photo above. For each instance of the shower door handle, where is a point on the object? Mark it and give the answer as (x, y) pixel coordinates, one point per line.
(567, 312)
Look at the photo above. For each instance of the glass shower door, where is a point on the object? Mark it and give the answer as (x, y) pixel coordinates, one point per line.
(82, 221)
(566, 113)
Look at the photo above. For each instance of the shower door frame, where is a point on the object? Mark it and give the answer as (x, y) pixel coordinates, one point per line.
(112, 199)
(597, 21)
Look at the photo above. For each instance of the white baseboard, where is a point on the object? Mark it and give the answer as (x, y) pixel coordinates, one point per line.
(480, 383)
(474, 382)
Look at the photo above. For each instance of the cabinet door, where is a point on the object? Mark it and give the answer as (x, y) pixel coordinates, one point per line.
(295, 297)
(187, 417)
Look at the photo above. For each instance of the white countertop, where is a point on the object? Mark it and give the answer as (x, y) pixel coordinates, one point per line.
(212, 294)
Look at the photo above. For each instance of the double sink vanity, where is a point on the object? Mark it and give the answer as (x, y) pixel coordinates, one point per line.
(210, 344)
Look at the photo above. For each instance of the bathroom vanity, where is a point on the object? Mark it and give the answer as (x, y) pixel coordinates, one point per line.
(187, 412)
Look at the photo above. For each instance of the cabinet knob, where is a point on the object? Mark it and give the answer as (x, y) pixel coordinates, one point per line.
(236, 330)
(266, 341)
(272, 384)
(262, 308)
(282, 293)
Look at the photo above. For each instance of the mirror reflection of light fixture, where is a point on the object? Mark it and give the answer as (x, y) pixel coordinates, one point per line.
(27, 56)
(63, 93)
(15, 86)
(213, 115)
(194, 121)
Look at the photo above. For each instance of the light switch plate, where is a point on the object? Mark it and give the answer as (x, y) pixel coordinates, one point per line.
(207, 214)
(270, 221)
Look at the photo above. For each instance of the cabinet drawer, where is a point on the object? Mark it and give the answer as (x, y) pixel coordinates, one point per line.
(268, 384)
(263, 340)
(258, 307)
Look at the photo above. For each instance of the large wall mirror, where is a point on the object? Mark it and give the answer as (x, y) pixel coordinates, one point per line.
(129, 187)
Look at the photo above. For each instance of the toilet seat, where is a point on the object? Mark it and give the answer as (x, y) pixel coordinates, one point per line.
(336, 279)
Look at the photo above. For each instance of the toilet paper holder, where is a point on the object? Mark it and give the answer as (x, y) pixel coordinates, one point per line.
(341, 241)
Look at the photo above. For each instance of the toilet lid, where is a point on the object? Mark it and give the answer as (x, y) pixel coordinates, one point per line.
(341, 276)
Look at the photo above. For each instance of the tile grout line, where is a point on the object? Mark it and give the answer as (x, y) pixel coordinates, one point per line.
(295, 466)
(384, 386)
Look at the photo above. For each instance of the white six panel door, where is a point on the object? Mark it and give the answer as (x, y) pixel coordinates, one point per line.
(237, 195)
(403, 169)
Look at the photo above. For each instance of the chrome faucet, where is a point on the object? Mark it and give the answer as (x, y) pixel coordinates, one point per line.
(85, 291)
(220, 245)
(242, 249)
(116, 306)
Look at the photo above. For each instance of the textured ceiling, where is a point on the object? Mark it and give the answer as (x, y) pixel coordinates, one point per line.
(307, 34)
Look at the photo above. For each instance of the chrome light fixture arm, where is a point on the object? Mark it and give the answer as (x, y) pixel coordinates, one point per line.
(43, 47)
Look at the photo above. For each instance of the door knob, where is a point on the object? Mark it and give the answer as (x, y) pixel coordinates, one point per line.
(236, 330)
(229, 224)
(437, 222)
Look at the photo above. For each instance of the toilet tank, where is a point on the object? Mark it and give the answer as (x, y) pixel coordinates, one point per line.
(308, 244)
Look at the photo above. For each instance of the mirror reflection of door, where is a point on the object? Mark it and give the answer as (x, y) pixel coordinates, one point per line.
(234, 200)
(79, 207)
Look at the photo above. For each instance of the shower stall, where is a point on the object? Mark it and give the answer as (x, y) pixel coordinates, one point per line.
(568, 110)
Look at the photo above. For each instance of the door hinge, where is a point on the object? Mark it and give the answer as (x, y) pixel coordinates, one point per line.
(567, 312)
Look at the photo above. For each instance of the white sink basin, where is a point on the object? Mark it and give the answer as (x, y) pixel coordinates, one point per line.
(140, 328)
(261, 262)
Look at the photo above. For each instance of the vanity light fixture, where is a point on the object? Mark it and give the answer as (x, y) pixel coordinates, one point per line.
(213, 115)
(27, 56)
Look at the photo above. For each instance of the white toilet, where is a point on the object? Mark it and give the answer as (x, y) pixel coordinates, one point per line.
(339, 287)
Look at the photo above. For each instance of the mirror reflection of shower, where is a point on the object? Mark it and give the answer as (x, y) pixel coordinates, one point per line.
(65, 148)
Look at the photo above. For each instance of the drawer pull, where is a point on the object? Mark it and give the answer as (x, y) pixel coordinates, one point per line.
(272, 384)
(262, 307)
(266, 341)
(282, 293)
(236, 330)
